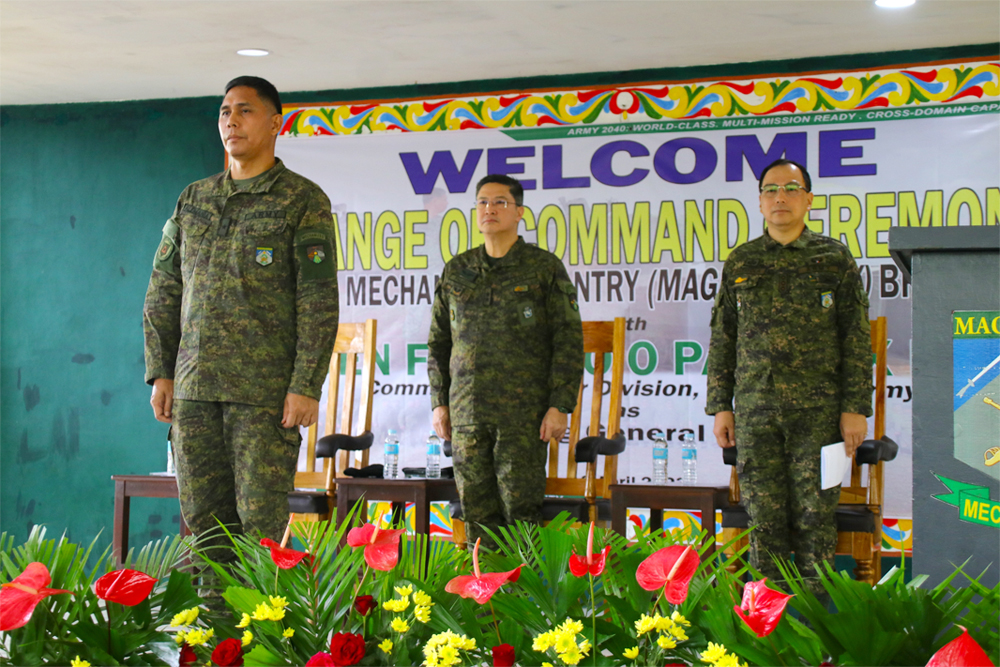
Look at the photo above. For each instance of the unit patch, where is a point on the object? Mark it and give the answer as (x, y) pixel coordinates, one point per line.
(265, 256)
(574, 305)
(826, 299)
(739, 303)
(315, 254)
(527, 312)
(166, 249)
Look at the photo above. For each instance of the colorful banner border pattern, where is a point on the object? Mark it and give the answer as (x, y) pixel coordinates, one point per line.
(853, 91)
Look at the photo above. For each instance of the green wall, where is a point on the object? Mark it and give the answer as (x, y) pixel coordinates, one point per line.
(84, 192)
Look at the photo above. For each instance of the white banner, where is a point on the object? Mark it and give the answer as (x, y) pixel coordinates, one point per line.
(643, 215)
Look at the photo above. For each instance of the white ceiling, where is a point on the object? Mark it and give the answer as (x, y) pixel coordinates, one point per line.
(100, 50)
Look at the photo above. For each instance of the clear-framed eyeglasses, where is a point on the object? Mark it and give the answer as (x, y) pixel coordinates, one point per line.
(790, 189)
(497, 203)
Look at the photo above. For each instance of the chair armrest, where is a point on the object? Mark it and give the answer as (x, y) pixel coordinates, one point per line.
(446, 448)
(588, 448)
(873, 451)
(729, 456)
(329, 444)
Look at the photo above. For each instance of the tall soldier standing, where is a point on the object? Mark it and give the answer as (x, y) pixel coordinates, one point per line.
(240, 318)
(505, 358)
(791, 339)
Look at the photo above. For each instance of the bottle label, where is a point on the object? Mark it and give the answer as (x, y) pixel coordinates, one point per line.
(392, 450)
(689, 453)
(659, 453)
(433, 450)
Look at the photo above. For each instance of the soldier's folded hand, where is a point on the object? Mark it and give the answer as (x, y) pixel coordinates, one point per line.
(162, 399)
(299, 411)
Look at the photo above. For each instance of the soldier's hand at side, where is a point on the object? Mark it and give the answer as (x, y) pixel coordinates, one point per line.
(853, 427)
(162, 399)
(441, 422)
(553, 425)
(725, 429)
(299, 411)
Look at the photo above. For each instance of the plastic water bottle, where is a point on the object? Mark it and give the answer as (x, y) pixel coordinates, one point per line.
(391, 451)
(659, 459)
(433, 456)
(689, 459)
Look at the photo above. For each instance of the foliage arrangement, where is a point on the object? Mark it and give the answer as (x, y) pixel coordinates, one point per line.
(561, 594)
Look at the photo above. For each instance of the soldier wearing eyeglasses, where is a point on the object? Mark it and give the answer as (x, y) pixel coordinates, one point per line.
(505, 357)
(791, 343)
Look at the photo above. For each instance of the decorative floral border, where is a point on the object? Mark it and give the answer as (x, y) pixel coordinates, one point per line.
(659, 101)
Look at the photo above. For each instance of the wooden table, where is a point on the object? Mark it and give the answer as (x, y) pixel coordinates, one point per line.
(657, 498)
(419, 491)
(143, 486)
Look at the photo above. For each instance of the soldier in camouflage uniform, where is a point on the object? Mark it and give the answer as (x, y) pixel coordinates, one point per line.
(791, 340)
(239, 320)
(505, 360)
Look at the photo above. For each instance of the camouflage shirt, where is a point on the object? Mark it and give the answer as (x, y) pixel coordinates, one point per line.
(790, 329)
(506, 340)
(242, 305)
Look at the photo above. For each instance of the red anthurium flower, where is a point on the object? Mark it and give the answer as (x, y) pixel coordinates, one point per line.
(962, 651)
(284, 558)
(671, 569)
(503, 656)
(762, 607)
(321, 660)
(364, 604)
(381, 546)
(594, 563)
(347, 649)
(19, 598)
(229, 653)
(127, 587)
(188, 657)
(480, 586)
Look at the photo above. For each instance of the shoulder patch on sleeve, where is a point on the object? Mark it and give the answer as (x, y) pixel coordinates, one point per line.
(171, 230)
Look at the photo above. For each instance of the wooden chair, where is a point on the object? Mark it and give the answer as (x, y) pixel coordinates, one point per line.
(314, 496)
(584, 496)
(859, 512)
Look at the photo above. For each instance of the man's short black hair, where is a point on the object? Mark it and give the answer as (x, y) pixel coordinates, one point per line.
(516, 190)
(781, 162)
(265, 89)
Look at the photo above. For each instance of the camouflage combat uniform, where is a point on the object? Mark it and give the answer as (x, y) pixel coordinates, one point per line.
(505, 345)
(791, 339)
(241, 310)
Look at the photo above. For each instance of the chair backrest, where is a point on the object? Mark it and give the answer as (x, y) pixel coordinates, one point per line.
(353, 339)
(857, 493)
(599, 339)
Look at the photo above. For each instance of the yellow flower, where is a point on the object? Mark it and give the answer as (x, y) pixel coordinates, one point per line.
(542, 642)
(565, 642)
(468, 644)
(186, 617)
(663, 624)
(430, 657)
(713, 652)
(665, 642)
(180, 637)
(678, 633)
(645, 624)
(631, 653)
(244, 622)
(197, 637)
(422, 599)
(247, 638)
(585, 647)
(399, 625)
(396, 605)
(449, 656)
(571, 657)
(277, 601)
(569, 625)
(262, 612)
(422, 613)
(676, 617)
(728, 660)
(546, 664)
(287, 634)
(76, 662)
(386, 646)
(403, 591)
(277, 613)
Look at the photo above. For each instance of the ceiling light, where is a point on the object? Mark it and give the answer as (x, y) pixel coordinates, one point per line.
(264, 52)
(894, 4)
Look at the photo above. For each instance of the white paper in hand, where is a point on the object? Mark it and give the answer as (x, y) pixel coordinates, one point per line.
(834, 464)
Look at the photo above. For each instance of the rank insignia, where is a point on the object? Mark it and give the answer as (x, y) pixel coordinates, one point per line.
(826, 299)
(315, 254)
(521, 288)
(739, 303)
(739, 280)
(527, 312)
(574, 305)
(265, 256)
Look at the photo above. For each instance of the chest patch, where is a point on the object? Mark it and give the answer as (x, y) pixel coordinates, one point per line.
(826, 299)
(739, 303)
(265, 256)
(527, 312)
(315, 254)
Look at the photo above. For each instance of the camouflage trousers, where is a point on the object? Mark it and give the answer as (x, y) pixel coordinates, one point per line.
(235, 465)
(500, 475)
(779, 471)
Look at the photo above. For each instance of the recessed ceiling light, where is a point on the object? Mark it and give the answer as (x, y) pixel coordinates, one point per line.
(264, 52)
(894, 4)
